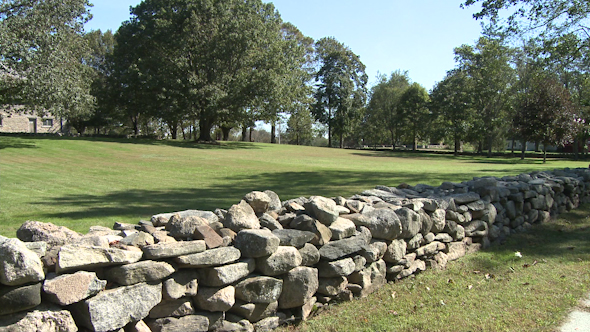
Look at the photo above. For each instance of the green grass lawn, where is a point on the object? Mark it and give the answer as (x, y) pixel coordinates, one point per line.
(79, 182)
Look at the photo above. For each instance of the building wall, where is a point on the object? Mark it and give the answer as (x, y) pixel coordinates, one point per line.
(28, 122)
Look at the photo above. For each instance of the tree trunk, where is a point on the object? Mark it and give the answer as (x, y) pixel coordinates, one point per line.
(537, 146)
(174, 130)
(523, 150)
(329, 135)
(576, 148)
(490, 146)
(273, 129)
(205, 130)
(341, 141)
(225, 130)
(415, 140)
(392, 141)
(251, 130)
(544, 152)
(512, 145)
(457, 145)
(244, 133)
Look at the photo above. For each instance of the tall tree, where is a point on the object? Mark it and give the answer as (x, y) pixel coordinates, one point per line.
(41, 44)
(340, 89)
(415, 113)
(383, 110)
(300, 127)
(452, 103)
(488, 65)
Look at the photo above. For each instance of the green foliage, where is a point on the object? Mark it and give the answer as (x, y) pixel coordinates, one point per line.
(341, 89)
(415, 113)
(300, 127)
(41, 44)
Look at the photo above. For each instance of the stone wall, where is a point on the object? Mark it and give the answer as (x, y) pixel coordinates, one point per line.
(28, 123)
(262, 262)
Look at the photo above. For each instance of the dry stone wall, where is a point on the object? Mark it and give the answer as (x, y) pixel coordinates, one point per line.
(262, 262)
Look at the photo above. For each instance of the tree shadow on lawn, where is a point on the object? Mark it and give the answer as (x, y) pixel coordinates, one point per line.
(287, 185)
(7, 142)
(148, 141)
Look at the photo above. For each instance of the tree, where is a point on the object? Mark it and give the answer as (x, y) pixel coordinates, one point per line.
(383, 111)
(300, 127)
(452, 102)
(487, 65)
(415, 114)
(41, 44)
(546, 114)
(341, 89)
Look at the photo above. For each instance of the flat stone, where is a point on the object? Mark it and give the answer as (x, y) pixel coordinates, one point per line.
(342, 228)
(208, 234)
(330, 269)
(259, 289)
(172, 308)
(112, 309)
(179, 284)
(443, 237)
(310, 255)
(211, 257)
(80, 258)
(241, 216)
(71, 288)
(293, 237)
(341, 248)
(227, 274)
(430, 249)
(191, 323)
(163, 218)
(280, 262)
(19, 298)
(19, 265)
(216, 299)
(469, 197)
(46, 320)
(134, 273)
(299, 285)
(173, 249)
(456, 250)
(256, 242)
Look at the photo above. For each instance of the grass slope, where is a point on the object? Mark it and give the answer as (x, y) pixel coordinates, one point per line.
(79, 182)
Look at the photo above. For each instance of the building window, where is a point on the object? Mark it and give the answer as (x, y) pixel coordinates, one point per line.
(47, 122)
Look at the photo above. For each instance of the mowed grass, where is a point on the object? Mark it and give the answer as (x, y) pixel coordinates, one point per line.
(492, 290)
(79, 182)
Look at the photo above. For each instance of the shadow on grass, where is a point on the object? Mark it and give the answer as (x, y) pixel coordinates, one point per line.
(12, 143)
(23, 141)
(286, 184)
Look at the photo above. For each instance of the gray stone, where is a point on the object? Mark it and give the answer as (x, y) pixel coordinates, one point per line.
(410, 222)
(306, 223)
(341, 248)
(342, 228)
(259, 289)
(359, 262)
(430, 249)
(33, 231)
(438, 221)
(456, 250)
(208, 234)
(216, 299)
(258, 200)
(227, 274)
(18, 264)
(415, 242)
(172, 308)
(354, 206)
(324, 209)
(431, 237)
(19, 298)
(383, 223)
(477, 228)
(374, 251)
(465, 198)
(234, 323)
(78, 257)
(280, 262)
(275, 201)
(426, 222)
(395, 251)
(293, 237)
(179, 284)
(163, 218)
(332, 286)
(370, 278)
(330, 269)
(266, 324)
(112, 309)
(71, 288)
(192, 323)
(269, 222)
(254, 312)
(310, 255)
(138, 239)
(39, 247)
(183, 226)
(241, 216)
(443, 237)
(173, 249)
(299, 285)
(46, 320)
(211, 257)
(256, 242)
(134, 273)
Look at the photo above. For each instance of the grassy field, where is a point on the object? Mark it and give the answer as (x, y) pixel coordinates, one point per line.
(79, 182)
(492, 290)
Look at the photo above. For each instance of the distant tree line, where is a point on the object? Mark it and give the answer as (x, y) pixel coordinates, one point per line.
(210, 69)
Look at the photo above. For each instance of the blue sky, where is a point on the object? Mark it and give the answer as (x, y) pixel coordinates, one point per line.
(416, 35)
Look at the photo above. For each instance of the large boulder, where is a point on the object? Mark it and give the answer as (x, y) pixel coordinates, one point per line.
(114, 308)
(179, 284)
(241, 216)
(280, 262)
(324, 209)
(275, 201)
(299, 285)
(216, 299)
(46, 320)
(410, 222)
(341, 248)
(67, 289)
(341, 267)
(259, 201)
(19, 298)
(256, 242)
(342, 228)
(259, 289)
(33, 231)
(396, 251)
(310, 255)
(18, 264)
(383, 223)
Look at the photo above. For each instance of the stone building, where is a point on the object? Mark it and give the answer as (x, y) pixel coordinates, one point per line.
(29, 122)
